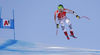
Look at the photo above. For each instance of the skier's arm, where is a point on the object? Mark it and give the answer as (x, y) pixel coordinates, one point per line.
(70, 11)
(78, 17)
(57, 25)
(55, 17)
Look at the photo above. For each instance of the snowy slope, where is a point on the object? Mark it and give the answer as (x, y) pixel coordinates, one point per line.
(11, 47)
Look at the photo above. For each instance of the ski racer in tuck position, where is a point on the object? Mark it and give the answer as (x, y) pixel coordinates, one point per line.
(61, 15)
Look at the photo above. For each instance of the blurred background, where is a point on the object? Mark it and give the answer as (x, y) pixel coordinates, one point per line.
(34, 22)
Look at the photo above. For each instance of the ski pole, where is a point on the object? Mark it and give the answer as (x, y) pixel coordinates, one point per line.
(85, 17)
(56, 31)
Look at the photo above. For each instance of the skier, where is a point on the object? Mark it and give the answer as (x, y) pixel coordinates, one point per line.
(61, 15)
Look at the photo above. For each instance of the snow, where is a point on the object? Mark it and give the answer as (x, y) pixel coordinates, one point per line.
(17, 47)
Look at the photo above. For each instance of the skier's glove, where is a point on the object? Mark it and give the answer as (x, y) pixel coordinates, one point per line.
(78, 17)
(57, 25)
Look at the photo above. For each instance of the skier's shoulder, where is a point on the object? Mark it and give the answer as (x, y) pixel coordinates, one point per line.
(56, 11)
(65, 9)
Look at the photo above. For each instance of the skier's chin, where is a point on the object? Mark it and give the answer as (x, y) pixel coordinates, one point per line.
(61, 11)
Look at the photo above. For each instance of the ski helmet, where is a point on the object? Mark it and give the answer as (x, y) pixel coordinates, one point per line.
(60, 6)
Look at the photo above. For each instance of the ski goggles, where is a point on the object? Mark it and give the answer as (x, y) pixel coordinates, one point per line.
(60, 7)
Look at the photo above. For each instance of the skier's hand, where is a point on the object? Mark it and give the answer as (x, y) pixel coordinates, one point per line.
(78, 17)
(57, 25)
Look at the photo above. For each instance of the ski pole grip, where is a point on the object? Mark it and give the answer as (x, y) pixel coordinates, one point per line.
(57, 25)
(78, 17)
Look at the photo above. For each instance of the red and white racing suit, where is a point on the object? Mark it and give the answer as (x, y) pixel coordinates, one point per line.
(63, 18)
